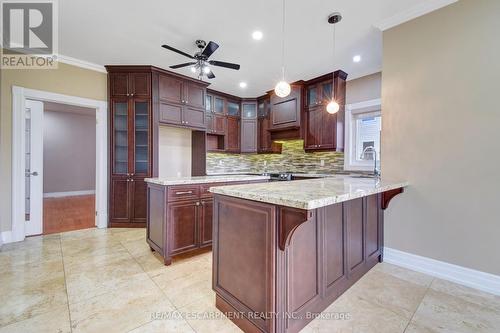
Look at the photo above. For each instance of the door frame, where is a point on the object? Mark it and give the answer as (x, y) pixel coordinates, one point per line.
(19, 96)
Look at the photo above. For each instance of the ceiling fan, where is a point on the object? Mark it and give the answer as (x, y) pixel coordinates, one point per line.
(201, 62)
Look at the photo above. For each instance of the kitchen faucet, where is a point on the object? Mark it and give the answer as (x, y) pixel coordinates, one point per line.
(376, 172)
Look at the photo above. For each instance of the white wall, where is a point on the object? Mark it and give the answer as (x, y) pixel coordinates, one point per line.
(174, 152)
(69, 151)
(441, 132)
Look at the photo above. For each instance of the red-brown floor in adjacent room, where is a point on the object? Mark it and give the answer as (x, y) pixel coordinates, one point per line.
(68, 213)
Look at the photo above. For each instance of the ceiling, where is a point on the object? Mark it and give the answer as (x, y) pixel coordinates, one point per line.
(131, 32)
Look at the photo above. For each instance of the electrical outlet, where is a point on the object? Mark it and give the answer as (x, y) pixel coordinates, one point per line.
(322, 162)
(221, 162)
(265, 162)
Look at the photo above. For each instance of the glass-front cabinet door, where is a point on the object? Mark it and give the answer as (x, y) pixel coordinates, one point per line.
(208, 103)
(233, 109)
(312, 95)
(218, 105)
(141, 137)
(249, 110)
(120, 137)
(326, 92)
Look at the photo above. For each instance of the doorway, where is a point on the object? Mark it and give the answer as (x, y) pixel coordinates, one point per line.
(59, 170)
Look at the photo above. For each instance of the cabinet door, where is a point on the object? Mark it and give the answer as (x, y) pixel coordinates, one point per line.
(120, 132)
(233, 108)
(208, 103)
(219, 106)
(248, 136)
(219, 124)
(170, 113)
(141, 137)
(313, 127)
(326, 92)
(249, 111)
(171, 89)
(313, 95)
(328, 128)
(285, 114)
(118, 83)
(140, 84)
(209, 119)
(119, 199)
(193, 117)
(233, 134)
(264, 138)
(353, 212)
(138, 200)
(194, 95)
(182, 221)
(207, 207)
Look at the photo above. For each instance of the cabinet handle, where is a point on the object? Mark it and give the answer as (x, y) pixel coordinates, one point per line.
(186, 122)
(183, 192)
(197, 204)
(128, 180)
(128, 94)
(131, 180)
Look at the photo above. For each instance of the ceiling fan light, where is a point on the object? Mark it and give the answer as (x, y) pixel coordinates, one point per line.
(206, 69)
(282, 89)
(333, 107)
(193, 69)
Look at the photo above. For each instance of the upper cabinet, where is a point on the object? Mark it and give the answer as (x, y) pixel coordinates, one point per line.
(325, 131)
(130, 84)
(233, 108)
(182, 102)
(249, 130)
(286, 112)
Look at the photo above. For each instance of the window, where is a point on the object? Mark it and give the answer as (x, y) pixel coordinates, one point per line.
(363, 127)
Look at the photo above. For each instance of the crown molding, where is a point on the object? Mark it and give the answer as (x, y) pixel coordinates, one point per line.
(81, 63)
(412, 13)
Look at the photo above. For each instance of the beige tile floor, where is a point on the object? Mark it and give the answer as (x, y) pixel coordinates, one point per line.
(109, 281)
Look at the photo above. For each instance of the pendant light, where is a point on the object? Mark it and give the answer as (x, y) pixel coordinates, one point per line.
(282, 89)
(333, 107)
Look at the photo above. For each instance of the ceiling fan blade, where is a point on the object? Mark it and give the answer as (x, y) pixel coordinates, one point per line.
(224, 64)
(183, 65)
(209, 49)
(177, 51)
(210, 75)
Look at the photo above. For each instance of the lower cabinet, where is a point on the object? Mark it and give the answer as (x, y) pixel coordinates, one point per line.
(179, 217)
(128, 204)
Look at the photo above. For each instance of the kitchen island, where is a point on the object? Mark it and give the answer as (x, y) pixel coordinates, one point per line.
(284, 251)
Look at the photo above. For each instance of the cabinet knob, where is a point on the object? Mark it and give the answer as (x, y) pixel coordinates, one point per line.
(128, 94)
(186, 122)
(131, 180)
(198, 203)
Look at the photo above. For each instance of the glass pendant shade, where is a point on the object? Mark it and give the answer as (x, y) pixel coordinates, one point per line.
(282, 89)
(333, 107)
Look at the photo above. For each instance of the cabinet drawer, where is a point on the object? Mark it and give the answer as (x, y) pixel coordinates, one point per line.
(204, 189)
(185, 192)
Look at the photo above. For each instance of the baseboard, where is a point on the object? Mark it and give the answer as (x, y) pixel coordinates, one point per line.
(67, 194)
(5, 237)
(443, 270)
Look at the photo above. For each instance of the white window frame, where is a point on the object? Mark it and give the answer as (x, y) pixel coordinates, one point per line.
(351, 163)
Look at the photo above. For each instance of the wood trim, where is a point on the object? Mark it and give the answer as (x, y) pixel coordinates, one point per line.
(148, 68)
(289, 219)
(338, 74)
(388, 195)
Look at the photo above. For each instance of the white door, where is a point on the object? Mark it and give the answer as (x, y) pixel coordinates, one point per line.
(34, 168)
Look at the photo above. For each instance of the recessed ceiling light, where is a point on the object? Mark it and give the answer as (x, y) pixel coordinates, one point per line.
(257, 35)
(243, 84)
(356, 58)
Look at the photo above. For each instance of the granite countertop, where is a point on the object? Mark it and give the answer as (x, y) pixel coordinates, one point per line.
(310, 193)
(168, 181)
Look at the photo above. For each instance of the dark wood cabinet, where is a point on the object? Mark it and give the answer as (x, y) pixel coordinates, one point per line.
(140, 99)
(325, 131)
(265, 144)
(286, 111)
(183, 227)
(248, 136)
(179, 217)
(182, 102)
(216, 121)
(130, 147)
(232, 138)
(207, 207)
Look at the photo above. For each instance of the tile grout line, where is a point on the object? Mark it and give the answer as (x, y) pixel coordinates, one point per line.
(420, 303)
(65, 283)
(162, 291)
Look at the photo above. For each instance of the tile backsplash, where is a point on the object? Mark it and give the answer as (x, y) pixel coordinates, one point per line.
(293, 158)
